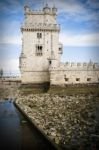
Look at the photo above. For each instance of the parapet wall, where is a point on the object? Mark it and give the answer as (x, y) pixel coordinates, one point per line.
(74, 73)
(76, 66)
(90, 65)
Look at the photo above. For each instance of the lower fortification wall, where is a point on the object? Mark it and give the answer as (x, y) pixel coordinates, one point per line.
(63, 77)
(35, 77)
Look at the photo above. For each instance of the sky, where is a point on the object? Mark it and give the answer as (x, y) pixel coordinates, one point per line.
(79, 21)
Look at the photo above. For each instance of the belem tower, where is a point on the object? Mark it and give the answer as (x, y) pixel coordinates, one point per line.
(40, 59)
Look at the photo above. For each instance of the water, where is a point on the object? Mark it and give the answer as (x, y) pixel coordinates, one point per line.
(16, 133)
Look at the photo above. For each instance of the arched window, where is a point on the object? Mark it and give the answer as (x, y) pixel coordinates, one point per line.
(39, 50)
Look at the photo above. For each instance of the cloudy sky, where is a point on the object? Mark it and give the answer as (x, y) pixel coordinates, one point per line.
(79, 20)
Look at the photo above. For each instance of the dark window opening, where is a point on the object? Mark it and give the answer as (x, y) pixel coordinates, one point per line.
(66, 79)
(77, 79)
(39, 35)
(50, 62)
(88, 79)
(39, 50)
(60, 50)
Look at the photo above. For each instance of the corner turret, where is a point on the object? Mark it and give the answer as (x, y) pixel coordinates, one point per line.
(53, 62)
(26, 8)
(46, 9)
(54, 10)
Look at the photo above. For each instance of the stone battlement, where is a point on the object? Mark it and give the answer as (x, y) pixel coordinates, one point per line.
(38, 12)
(83, 65)
(76, 66)
(45, 10)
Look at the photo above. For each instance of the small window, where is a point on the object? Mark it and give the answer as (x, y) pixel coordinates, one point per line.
(66, 79)
(39, 49)
(60, 50)
(50, 62)
(77, 79)
(39, 35)
(88, 79)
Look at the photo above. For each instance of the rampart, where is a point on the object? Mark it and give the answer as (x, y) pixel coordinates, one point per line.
(74, 73)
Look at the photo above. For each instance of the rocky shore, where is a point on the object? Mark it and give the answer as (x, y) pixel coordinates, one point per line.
(70, 121)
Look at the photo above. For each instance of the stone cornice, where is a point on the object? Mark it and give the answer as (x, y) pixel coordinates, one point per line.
(24, 29)
(39, 13)
(42, 28)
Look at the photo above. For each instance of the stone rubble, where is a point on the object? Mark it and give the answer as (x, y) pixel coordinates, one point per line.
(70, 121)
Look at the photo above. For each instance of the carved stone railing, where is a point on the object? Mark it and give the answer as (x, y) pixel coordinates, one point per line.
(30, 27)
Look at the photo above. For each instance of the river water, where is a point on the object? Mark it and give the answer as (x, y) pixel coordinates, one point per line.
(16, 133)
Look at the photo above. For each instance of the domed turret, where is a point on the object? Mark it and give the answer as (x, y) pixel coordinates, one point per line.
(54, 10)
(26, 8)
(46, 9)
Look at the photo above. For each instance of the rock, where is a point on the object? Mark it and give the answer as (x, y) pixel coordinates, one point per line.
(67, 120)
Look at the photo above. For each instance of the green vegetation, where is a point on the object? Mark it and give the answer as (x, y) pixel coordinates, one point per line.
(27, 91)
(71, 90)
(7, 91)
(31, 89)
(4, 93)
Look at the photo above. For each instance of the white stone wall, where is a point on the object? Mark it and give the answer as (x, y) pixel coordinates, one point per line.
(40, 18)
(34, 62)
(73, 74)
(35, 77)
(58, 77)
(33, 67)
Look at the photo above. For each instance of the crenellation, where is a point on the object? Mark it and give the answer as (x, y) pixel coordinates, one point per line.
(45, 11)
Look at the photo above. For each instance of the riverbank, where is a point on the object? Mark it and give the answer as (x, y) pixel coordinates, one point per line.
(15, 89)
(70, 121)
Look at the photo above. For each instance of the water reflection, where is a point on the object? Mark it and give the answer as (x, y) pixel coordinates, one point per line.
(16, 133)
(9, 126)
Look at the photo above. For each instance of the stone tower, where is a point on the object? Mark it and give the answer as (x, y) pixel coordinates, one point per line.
(40, 44)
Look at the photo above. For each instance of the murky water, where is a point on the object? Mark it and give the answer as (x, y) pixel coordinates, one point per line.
(16, 133)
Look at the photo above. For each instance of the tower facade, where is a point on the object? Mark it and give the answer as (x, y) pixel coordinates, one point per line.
(40, 44)
(40, 59)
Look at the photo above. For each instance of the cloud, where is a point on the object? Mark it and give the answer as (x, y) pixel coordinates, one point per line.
(69, 6)
(10, 32)
(10, 40)
(77, 12)
(10, 65)
(94, 4)
(79, 17)
(69, 39)
(10, 6)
